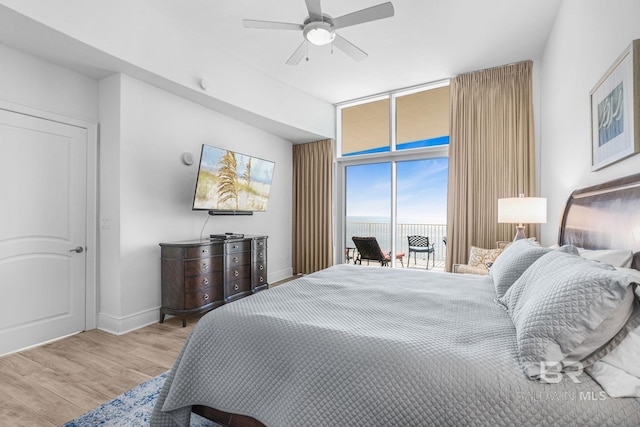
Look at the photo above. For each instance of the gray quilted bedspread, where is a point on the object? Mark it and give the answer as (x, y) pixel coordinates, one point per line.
(364, 346)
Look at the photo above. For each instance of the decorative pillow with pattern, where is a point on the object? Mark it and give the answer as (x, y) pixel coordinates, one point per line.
(512, 262)
(565, 308)
(480, 257)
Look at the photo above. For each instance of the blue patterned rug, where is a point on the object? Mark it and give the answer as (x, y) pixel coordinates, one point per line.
(131, 409)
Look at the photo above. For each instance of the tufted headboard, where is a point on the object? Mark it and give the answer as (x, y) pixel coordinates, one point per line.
(604, 216)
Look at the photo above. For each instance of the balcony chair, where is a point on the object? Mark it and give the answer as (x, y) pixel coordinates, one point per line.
(421, 244)
(369, 249)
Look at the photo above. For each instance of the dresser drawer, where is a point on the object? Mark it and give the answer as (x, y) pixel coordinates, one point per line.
(202, 266)
(259, 255)
(237, 259)
(238, 286)
(204, 297)
(237, 246)
(237, 272)
(260, 267)
(259, 244)
(197, 283)
(259, 279)
(204, 251)
(259, 274)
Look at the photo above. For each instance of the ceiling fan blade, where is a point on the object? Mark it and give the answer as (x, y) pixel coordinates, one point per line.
(271, 25)
(349, 48)
(373, 13)
(299, 53)
(315, 11)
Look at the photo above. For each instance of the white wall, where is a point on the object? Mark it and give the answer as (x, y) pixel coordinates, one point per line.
(31, 82)
(109, 272)
(113, 42)
(156, 191)
(586, 39)
(145, 190)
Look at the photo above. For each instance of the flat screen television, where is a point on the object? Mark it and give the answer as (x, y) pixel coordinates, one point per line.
(230, 183)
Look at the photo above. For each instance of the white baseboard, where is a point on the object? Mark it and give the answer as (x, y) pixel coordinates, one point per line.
(122, 325)
(276, 276)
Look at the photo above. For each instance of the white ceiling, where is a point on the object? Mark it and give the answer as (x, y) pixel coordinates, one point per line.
(426, 40)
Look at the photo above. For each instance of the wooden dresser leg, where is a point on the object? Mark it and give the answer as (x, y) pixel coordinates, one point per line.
(161, 316)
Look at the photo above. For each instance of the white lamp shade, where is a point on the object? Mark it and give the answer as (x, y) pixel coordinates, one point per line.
(521, 210)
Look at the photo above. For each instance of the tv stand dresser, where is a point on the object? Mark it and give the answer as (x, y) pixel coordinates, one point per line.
(200, 275)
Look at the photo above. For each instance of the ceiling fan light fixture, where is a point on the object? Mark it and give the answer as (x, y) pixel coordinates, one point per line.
(319, 33)
(320, 29)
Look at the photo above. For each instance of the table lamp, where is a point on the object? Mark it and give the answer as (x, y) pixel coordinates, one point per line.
(521, 210)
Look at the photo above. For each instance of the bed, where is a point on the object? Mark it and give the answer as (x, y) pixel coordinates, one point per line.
(367, 346)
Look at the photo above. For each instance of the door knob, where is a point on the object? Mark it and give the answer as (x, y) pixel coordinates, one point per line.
(77, 250)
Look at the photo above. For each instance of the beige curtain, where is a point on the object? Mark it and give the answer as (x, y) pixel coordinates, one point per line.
(312, 206)
(491, 155)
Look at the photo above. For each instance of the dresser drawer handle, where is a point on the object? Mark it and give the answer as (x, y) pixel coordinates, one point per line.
(206, 297)
(235, 259)
(235, 287)
(260, 255)
(235, 246)
(205, 251)
(205, 281)
(261, 279)
(235, 273)
(205, 266)
(260, 243)
(261, 267)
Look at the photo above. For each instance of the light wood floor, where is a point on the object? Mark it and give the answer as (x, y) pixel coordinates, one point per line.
(57, 382)
(49, 385)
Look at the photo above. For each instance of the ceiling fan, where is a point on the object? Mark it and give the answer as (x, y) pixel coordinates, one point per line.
(320, 28)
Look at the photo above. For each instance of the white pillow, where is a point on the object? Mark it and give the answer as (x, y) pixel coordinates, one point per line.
(619, 371)
(614, 257)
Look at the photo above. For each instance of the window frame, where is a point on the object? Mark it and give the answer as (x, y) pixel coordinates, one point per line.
(393, 156)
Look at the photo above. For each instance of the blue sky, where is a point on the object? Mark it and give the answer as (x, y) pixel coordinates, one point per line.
(421, 184)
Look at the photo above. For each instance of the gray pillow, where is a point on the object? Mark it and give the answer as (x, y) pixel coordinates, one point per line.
(565, 308)
(511, 263)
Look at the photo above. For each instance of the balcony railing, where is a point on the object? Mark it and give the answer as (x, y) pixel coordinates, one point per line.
(382, 232)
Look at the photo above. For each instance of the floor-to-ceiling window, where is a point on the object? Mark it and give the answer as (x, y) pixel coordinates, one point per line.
(392, 172)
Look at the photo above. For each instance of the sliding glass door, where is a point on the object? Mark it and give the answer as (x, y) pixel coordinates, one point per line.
(421, 206)
(393, 200)
(368, 207)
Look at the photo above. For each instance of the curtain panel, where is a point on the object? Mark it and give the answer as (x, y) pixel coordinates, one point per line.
(491, 155)
(312, 206)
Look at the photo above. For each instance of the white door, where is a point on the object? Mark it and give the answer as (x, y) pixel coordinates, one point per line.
(43, 190)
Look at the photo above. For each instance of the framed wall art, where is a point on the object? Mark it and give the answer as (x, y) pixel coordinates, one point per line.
(615, 110)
